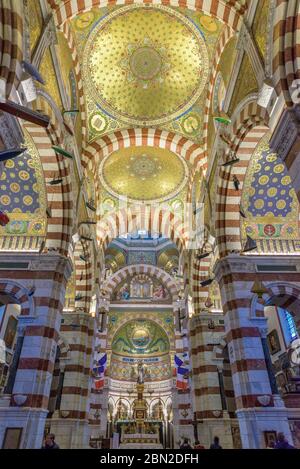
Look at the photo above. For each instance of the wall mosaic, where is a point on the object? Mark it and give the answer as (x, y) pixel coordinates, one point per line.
(141, 288)
(23, 194)
(259, 28)
(246, 84)
(269, 200)
(163, 318)
(140, 337)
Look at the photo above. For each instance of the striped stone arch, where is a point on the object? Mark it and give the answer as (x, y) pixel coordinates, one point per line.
(249, 127)
(228, 11)
(56, 129)
(286, 54)
(83, 264)
(151, 270)
(59, 197)
(11, 43)
(141, 217)
(281, 294)
(20, 294)
(94, 153)
(225, 37)
(285, 295)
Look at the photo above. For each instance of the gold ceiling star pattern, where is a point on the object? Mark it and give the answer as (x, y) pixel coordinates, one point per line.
(143, 174)
(145, 65)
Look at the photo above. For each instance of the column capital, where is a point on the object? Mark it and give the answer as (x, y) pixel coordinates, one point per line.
(286, 132)
(234, 263)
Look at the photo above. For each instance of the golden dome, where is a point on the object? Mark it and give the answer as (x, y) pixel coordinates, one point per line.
(143, 174)
(145, 64)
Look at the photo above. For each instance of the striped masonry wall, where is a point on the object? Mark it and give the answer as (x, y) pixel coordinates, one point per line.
(200, 272)
(11, 43)
(59, 196)
(206, 388)
(78, 330)
(286, 54)
(229, 11)
(83, 264)
(229, 199)
(248, 366)
(36, 364)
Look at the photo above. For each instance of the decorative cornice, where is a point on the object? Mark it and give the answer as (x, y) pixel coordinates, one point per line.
(286, 133)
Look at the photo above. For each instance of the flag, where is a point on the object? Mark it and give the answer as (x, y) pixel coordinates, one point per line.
(99, 372)
(182, 374)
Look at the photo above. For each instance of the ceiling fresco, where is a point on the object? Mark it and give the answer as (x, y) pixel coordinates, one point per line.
(159, 60)
(143, 174)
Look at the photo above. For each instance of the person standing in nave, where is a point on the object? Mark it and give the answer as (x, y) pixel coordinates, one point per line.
(50, 442)
(282, 442)
(216, 443)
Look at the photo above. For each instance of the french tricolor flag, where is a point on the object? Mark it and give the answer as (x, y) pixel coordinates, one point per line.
(182, 374)
(99, 372)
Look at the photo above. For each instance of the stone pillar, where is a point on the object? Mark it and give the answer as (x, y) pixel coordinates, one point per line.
(209, 409)
(70, 422)
(258, 410)
(31, 389)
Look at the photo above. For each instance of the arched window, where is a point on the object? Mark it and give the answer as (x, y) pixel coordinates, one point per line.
(291, 326)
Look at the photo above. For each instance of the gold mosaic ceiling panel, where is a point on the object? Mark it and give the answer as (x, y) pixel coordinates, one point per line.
(143, 174)
(145, 64)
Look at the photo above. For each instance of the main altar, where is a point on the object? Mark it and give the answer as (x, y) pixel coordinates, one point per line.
(140, 431)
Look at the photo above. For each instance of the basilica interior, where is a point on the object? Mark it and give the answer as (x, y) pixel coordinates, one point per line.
(149, 223)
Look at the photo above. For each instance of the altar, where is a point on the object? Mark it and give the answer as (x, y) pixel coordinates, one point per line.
(140, 432)
(151, 433)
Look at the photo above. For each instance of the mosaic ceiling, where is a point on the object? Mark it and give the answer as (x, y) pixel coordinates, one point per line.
(158, 64)
(143, 174)
(269, 200)
(158, 59)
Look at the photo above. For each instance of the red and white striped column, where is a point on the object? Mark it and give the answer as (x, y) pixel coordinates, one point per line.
(258, 410)
(40, 328)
